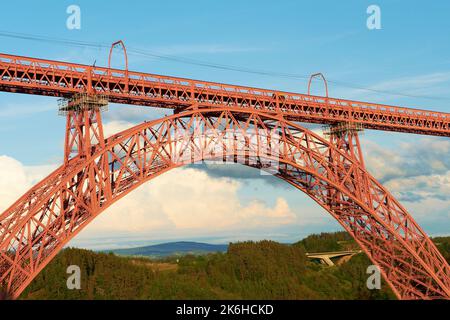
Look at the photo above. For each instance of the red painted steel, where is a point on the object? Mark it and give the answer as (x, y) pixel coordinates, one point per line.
(40, 223)
(325, 83)
(212, 122)
(62, 79)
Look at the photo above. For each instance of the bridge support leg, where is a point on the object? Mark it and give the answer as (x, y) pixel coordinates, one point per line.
(345, 138)
(326, 260)
(84, 129)
(84, 137)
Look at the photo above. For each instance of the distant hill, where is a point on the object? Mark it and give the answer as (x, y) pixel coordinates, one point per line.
(179, 248)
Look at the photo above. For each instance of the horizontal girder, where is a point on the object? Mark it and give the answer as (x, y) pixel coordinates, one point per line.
(62, 79)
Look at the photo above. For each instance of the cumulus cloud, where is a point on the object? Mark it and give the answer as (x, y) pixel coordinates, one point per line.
(16, 179)
(414, 171)
(188, 199)
(209, 193)
(115, 126)
(418, 188)
(423, 156)
(135, 114)
(182, 200)
(239, 172)
(201, 200)
(417, 173)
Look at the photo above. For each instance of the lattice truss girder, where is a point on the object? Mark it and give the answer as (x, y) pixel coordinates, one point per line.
(62, 79)
(41, 222)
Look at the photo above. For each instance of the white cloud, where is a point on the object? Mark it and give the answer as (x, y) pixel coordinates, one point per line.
(417, 173)
(188, 199)
(188, 202)
(135, 114)
(184, 199)
(417, 188)
(16, 179)
(422, 156)
(115, 126)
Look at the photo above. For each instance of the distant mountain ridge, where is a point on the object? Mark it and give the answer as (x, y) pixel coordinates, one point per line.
(171, 249)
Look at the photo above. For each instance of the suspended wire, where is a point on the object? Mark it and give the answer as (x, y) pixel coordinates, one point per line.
(178, 59)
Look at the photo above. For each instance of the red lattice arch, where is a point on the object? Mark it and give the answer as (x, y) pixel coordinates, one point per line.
(41, 222)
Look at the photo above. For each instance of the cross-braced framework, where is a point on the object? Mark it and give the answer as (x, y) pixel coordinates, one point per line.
(98, 173)
(64, 79)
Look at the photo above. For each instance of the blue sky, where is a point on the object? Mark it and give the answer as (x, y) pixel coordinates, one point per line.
(409, 55)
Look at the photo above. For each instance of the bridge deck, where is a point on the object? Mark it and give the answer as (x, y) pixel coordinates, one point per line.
(62, 79)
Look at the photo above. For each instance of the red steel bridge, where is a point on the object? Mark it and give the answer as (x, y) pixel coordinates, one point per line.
(212, 121)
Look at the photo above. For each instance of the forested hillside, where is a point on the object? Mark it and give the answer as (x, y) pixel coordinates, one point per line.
(249, 270)
(336, 241)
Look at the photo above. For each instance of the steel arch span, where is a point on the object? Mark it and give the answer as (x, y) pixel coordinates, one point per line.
(97, 172)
